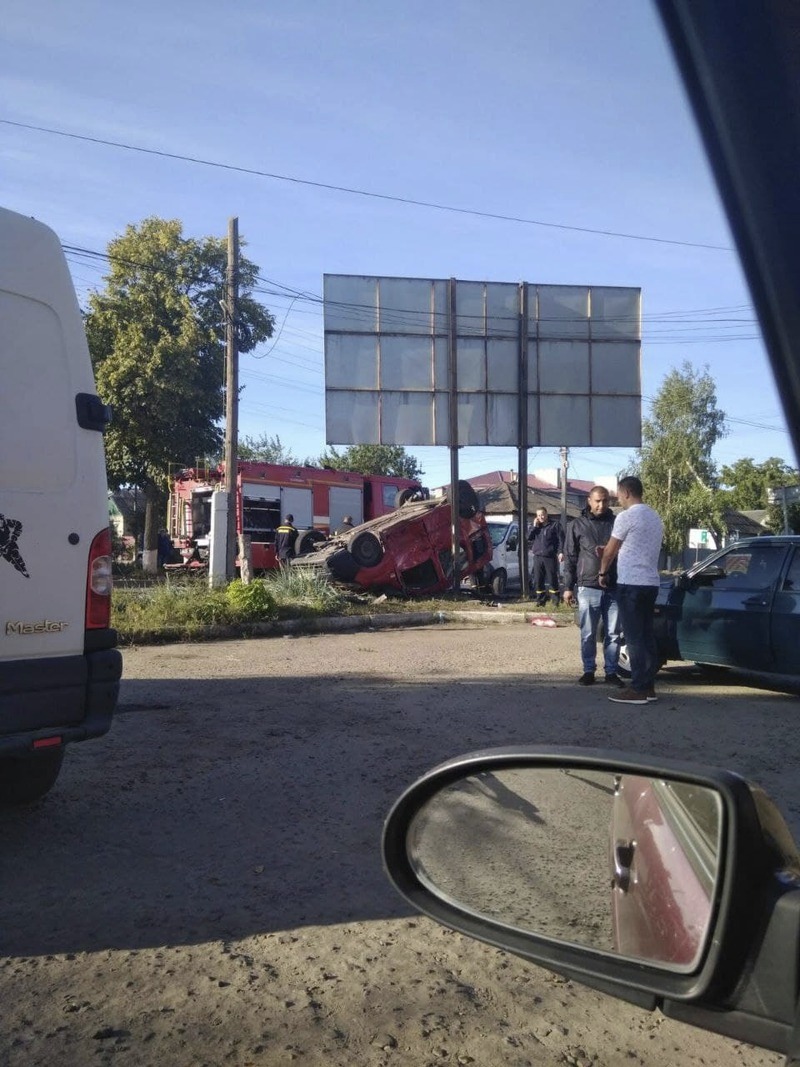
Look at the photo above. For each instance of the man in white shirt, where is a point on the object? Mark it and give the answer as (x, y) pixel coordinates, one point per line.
(635, 544)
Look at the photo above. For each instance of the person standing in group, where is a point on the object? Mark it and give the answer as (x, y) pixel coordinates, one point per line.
(285, 538)
(635, 544)
(345, 526)
(545, 539)
(585, 540)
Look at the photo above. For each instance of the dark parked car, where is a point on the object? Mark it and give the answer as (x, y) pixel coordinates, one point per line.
(739, 608)
(410, 550)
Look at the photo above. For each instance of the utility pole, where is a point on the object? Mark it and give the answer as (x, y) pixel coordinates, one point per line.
(669, 508)
(231, 391)
(564, 451)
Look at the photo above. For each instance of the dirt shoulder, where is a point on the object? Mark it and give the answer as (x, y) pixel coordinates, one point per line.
(204, 885)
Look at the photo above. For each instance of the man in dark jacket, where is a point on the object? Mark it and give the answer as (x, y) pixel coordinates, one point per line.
(545, 540)
(285, 538)
(586, 538)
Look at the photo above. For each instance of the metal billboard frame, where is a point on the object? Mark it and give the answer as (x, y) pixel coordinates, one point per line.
(370, 342)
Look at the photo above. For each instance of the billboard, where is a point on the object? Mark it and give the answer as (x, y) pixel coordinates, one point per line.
(421, 361)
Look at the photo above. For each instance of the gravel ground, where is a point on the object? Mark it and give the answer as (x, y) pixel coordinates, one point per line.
(204, 885)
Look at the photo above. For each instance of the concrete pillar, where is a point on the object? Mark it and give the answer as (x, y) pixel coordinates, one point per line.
(217, 539)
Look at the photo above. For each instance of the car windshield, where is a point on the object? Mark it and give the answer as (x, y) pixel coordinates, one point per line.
(498, 532)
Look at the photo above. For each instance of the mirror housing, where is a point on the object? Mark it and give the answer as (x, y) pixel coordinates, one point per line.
(754, 926)
(708, 575)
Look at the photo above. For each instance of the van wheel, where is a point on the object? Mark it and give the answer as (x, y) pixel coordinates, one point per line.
(499, 582)
(366, 549)
(624, 664)
(24, 779)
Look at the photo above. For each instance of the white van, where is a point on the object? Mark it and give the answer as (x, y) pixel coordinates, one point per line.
(59, 667)
(503, 571)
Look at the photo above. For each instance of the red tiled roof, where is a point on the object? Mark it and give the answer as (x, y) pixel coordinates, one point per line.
(576, 485)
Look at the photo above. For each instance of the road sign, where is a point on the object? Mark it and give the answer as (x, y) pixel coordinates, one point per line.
(701, 539)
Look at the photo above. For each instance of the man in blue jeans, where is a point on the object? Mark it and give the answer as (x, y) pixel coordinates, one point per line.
(635, 545)
(586, 538)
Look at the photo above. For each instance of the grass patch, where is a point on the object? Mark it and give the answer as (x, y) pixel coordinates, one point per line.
(187, 607)
(299, 593)
(183, 608)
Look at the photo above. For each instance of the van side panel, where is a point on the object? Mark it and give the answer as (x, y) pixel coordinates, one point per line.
(53, 500)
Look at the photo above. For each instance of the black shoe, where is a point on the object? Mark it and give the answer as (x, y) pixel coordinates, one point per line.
(587, 678)
(614, 679)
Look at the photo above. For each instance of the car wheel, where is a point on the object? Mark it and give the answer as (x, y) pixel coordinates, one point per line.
(305, 541)
(414, 492)
(624, 664)
(499, 582)
(467, 500)
(24, 779)
(366, 549)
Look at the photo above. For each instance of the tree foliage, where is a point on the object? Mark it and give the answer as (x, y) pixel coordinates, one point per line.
(157, 338)
(266, 449)
(675, 461)
(776, 522)
(156, 335)
(392, 460)
(747, 482)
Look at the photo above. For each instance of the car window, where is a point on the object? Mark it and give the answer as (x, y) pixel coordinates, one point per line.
(750, 567)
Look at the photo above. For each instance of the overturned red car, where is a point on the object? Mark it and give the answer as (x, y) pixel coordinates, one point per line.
(410, 550)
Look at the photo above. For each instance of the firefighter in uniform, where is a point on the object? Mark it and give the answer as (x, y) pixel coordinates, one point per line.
(546, 540)
(285, 538)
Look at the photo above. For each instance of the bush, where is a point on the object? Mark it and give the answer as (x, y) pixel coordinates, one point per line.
(305, 590)
(250, 603)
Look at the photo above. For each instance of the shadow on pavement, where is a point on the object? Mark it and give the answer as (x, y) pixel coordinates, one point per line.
(222, 808)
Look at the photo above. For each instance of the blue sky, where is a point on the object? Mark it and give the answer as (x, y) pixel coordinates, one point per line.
(567, 112)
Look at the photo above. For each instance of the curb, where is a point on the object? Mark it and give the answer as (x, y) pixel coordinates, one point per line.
(330, 624)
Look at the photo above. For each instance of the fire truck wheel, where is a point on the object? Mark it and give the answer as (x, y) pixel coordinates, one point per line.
(366, 549)
(27, 778)
(305, 541)
(467, 500)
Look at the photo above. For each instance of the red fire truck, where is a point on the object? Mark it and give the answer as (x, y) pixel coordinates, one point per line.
(318, 499)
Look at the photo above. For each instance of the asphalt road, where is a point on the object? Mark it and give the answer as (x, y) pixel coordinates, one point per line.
(204, 885)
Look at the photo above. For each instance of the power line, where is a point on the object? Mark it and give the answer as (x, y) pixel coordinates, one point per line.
(351, 191)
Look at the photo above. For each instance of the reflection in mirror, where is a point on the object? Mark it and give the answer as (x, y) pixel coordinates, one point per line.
(616, 862)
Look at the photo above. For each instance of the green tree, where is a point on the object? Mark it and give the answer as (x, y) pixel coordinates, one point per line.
(373, 459)
(675, 461)
(265, 449)
(156, 335)
(775, 518)
(747, 482)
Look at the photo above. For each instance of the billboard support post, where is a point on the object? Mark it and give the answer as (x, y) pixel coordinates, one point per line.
(522, 437)
(452, 382)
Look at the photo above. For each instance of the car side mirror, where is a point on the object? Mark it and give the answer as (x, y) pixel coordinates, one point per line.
(708, 575)
(658, 883)
(511, 544)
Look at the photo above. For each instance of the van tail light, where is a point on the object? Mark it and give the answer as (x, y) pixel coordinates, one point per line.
(98, 582)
